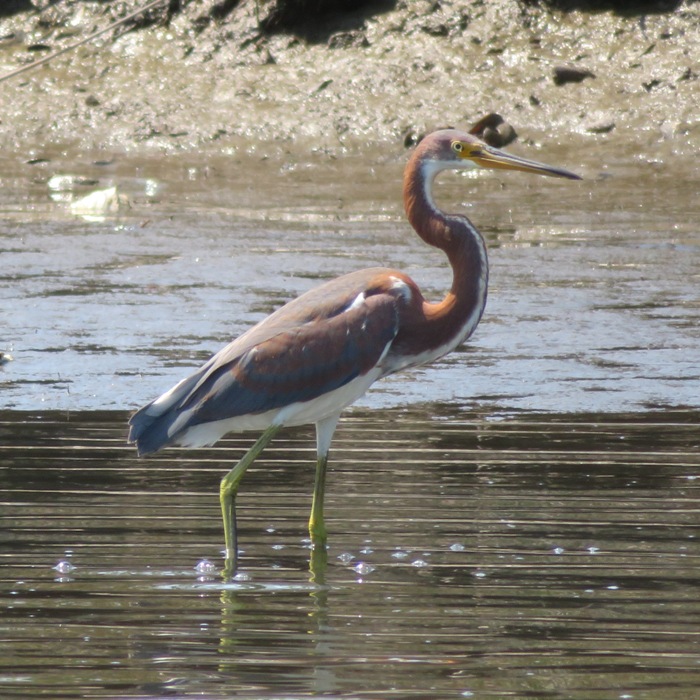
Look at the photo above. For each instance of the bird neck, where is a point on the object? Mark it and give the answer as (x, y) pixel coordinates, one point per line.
(454, 318)
(455, 235)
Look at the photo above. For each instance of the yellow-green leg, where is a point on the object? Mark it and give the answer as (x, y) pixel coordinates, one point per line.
(317, 524)
(227, 495)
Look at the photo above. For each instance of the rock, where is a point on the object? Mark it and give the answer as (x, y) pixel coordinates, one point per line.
(344, 40)
(601, 128)
(570, 74)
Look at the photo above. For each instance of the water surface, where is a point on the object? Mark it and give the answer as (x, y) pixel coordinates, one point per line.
(542, 557)
(593, 300)
(519, 520)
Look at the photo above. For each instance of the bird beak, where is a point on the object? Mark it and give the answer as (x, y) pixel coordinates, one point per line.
(488, 157)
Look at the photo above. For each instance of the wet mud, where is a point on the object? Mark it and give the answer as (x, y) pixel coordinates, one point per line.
(246, 78)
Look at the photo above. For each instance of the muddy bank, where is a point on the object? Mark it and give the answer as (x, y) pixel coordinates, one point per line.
(233, 77)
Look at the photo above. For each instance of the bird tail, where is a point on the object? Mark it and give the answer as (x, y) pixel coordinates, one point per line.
(152, 426)
(149, 432)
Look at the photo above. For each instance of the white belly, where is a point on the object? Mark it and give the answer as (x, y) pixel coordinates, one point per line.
(300, 413)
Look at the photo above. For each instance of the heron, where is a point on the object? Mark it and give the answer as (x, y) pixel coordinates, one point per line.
(313, 357)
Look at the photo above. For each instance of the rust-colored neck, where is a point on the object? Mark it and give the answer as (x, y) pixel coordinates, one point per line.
(449, 322)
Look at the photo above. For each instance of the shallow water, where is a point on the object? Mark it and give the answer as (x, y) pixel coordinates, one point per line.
(593, 291)
(542, 557)
(519, 520)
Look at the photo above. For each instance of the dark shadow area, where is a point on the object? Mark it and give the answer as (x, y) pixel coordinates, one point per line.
(15, 7)
(317, 20)
(625, 8)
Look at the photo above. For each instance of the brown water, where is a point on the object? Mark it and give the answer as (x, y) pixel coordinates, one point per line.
(543, 557)
(519, 520)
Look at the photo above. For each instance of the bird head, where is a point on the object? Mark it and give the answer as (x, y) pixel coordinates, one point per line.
(451, 149)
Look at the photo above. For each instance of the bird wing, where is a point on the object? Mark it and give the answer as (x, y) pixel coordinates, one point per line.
(299, 362)
(317, 343)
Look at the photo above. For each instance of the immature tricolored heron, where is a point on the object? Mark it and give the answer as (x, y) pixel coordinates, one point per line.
(316, 355)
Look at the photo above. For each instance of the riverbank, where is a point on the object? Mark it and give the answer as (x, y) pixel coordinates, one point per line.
(196, 80)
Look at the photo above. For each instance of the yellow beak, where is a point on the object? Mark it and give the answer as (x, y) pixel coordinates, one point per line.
(488, 157)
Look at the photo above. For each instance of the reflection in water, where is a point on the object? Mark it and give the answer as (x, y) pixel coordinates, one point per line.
(303, 628)
(538, 556)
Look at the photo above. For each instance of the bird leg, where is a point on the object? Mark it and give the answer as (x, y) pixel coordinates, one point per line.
(324, 434)
(227, 495)
(317, 524)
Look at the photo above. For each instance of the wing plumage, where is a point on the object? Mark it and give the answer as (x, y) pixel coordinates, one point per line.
(310, 347)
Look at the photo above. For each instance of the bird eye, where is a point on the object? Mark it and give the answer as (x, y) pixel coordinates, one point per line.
(457, 147)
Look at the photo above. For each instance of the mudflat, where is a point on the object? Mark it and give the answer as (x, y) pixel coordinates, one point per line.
(244, 77)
